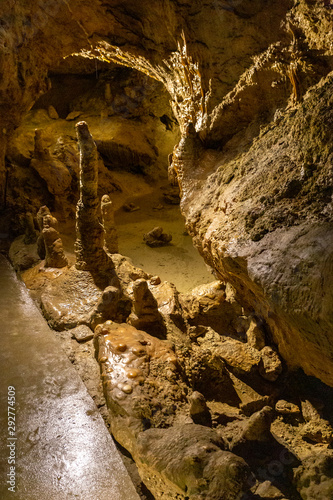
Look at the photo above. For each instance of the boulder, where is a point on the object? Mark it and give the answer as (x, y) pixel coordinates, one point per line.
(156, 238)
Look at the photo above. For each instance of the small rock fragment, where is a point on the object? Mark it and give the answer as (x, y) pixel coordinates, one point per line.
(286, 408)
(199, 410)
(52, 112)
(270, 366)
(73, 114)
(156, 238)
(130, 207)
(82, 333)
(255, 336)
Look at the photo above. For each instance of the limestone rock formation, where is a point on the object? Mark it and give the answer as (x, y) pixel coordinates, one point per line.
(54, 252)
(314, 478)
(144, 389)
(190, 461)
(110, 232)
(43, 212)
(283, 238)
(141, 381)
(214, 305)
(21, 255)
(156, 238)
(30, 235)
(90, 254)
(112, 305)
(145, 314)
(55, 174)
(68, 299)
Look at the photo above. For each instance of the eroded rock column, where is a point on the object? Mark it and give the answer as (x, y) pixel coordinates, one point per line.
(90, 255)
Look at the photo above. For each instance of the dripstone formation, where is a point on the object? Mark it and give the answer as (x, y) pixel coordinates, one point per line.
(49, 243)
(110, 232)
(90, 254)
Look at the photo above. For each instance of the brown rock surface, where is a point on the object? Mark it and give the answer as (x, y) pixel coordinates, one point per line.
(54, 252)
(69, 298)
(141, 381)
(189, 461)
(156, 238)
(273, 243)
(90, 254)
(110, 232)
(54, 173)
(145, 314)
(314, 478)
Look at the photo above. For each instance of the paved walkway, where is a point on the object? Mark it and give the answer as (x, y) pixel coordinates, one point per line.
(51, 432)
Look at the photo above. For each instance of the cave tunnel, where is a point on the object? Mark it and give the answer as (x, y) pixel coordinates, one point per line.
(166, 249)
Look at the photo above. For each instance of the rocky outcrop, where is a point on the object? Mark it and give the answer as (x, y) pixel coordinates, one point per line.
(145, 314)
(273, 243)
(51, 170)
(314, 478)
(193, 463)
(139, 372)
(49, 243)
(55, 256)
(136, 370)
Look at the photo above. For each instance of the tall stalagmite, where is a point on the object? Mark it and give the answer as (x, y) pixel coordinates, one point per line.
(90, 255)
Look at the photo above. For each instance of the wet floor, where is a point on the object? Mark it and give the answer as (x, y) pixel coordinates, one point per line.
(54, 444)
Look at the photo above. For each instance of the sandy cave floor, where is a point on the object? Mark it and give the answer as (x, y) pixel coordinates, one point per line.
(179, 262)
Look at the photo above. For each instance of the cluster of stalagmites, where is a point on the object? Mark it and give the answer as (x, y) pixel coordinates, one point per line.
(190, 380)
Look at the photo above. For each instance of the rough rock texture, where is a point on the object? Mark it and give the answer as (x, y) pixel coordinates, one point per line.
(314, 478)
(90, 254)
(250, 85)
(156, 238)
(54, 252)
(53, 171)
(193, 464)
(69, 298)
(145, 314)
(138, 371)
(273, 242)
(259, 58)
(43, 212)
(144, 389)
(110, 232)
(23, 256)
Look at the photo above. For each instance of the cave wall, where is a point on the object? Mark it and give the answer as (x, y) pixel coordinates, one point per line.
(263, 67)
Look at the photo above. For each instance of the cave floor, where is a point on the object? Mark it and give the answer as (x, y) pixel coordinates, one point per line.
(60, 447)
(178, 262)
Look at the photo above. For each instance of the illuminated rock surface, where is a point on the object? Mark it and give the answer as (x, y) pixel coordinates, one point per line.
(63, 449)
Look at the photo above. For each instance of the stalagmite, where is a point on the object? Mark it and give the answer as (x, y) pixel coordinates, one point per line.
(42, 212)
(90, 255)
(110, 232)
(55, 256)
(145, 314)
